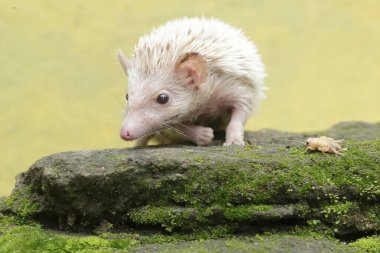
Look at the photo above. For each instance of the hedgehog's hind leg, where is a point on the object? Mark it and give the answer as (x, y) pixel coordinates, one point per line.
(235, 128)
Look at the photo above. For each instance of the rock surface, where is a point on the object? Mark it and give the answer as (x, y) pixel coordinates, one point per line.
(271, 184)
(291, 244)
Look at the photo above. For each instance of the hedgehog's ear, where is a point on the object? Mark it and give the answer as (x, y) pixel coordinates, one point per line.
(193, 68)
(124, 61)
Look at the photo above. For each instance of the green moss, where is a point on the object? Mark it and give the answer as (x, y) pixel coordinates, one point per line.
(222, 184)
(310, 232)
(199, 159)
(281, 177)
(368, 244)
(31, 238)
(244, 212)
(337, 215)
(167, 217)
(16, 236)
(334, 186)
(314, 223)
(116, 157)
(8, 221)
(86, 243)
(21, 203)
(373, 214)
(350, 216)
(337, 210)
(192, 219)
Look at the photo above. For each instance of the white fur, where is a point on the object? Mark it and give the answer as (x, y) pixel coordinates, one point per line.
(236, 72)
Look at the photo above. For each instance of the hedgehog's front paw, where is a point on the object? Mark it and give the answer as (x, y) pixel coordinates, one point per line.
(202, 135)
(234, 142)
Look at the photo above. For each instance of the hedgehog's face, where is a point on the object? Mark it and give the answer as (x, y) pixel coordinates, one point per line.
(150, 110)
(161, 100)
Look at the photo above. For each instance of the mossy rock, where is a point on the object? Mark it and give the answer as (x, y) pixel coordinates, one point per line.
(18, 237)
(268, 184)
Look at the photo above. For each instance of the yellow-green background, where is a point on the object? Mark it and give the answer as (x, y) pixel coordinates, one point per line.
(61, 87)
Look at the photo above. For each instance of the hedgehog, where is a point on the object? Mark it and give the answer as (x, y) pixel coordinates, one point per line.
(192, 76)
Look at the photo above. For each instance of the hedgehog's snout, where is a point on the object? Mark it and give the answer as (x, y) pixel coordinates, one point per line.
(125, 135)
(135, 125)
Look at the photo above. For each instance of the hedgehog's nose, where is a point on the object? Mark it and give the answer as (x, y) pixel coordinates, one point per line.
(125, 135)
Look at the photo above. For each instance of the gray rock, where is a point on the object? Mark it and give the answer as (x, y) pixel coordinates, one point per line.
(269, 182)
(286, 244)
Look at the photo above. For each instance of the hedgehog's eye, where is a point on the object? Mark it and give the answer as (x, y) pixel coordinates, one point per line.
(126, 96)
(307, 143)
(163, 98)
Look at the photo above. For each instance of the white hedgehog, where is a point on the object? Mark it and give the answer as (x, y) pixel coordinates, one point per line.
(190, 75)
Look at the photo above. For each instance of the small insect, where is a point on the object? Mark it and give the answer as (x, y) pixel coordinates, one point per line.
(325, 145)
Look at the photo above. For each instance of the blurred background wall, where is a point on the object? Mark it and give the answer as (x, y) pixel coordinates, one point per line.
(61, 87)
